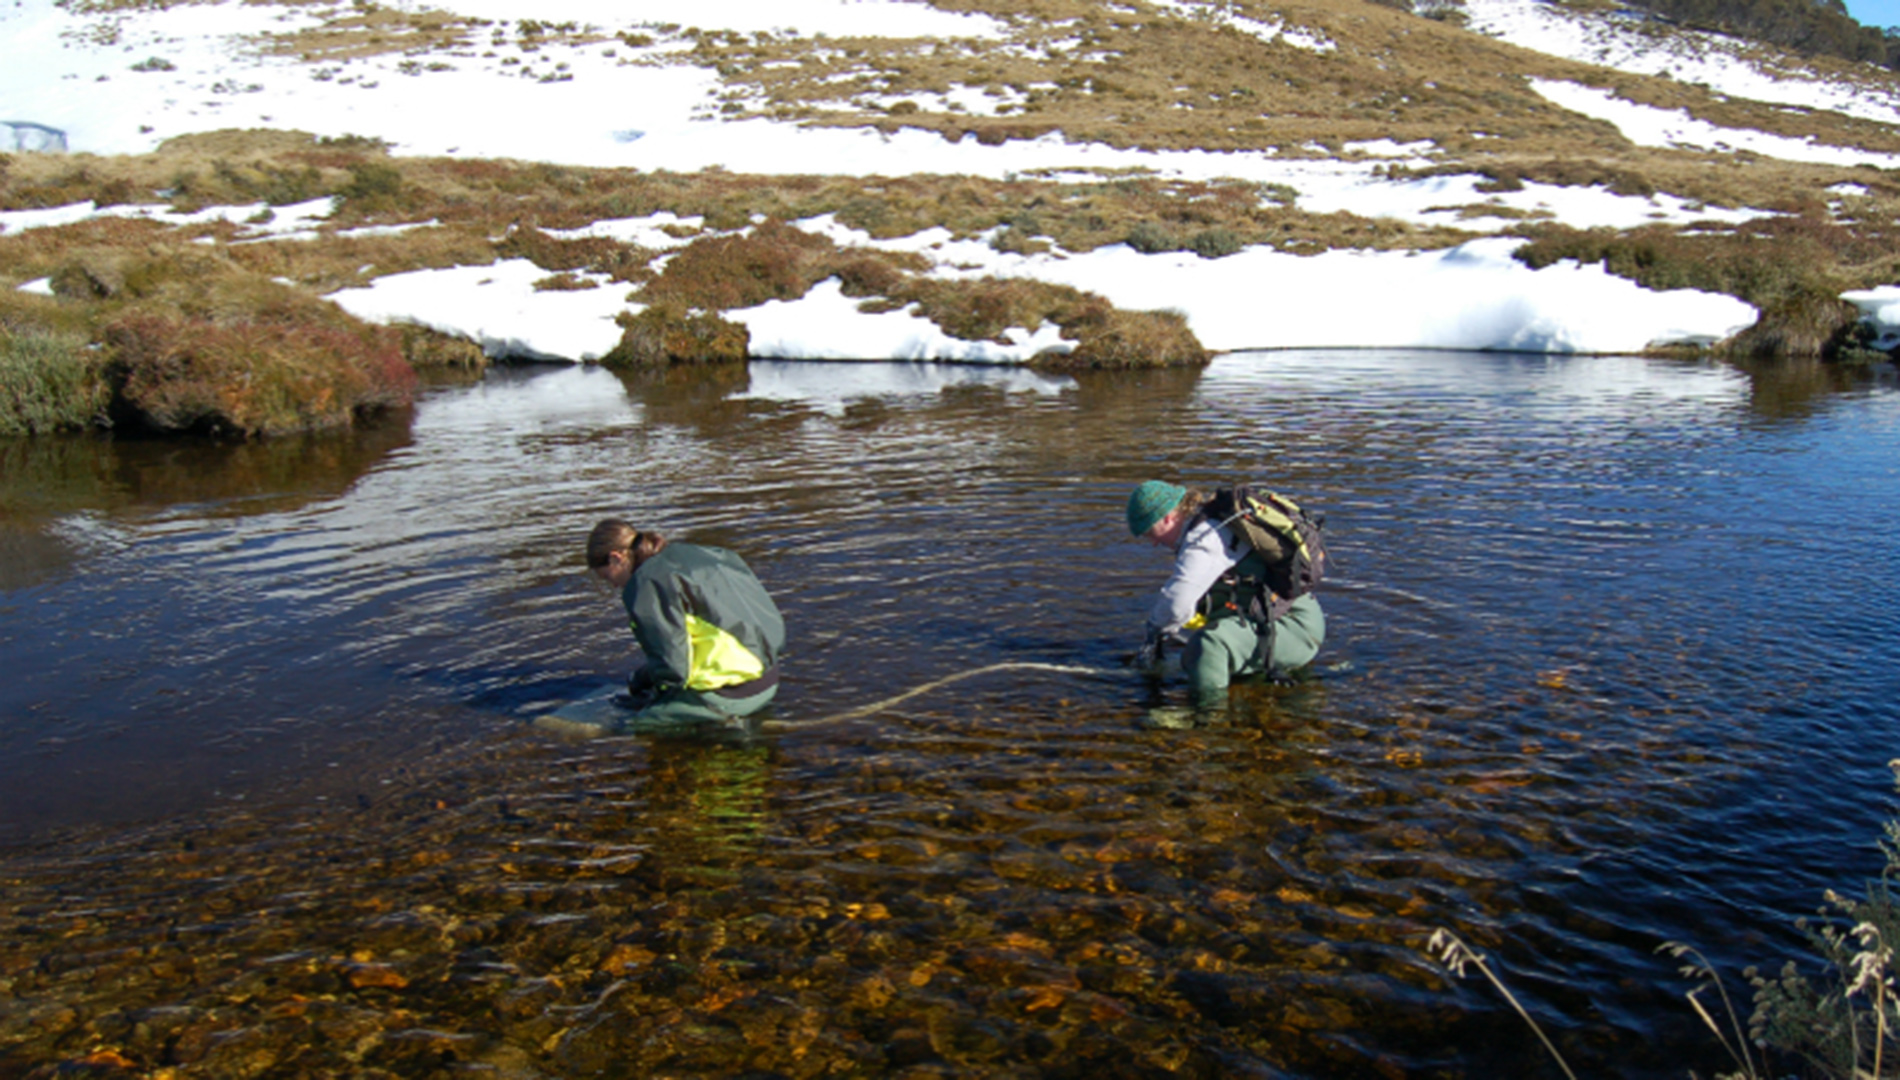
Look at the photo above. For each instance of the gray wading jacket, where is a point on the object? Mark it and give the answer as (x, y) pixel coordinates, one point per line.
(704, 621)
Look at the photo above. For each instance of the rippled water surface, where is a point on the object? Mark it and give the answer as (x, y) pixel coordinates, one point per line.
(1611, 662)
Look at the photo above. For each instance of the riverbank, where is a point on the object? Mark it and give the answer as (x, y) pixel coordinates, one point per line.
(1101, 186)
(292, 283)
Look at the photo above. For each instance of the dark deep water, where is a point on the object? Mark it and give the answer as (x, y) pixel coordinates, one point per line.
(1611, 662)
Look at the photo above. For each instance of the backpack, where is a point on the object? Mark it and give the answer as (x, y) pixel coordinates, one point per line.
(1287, 538)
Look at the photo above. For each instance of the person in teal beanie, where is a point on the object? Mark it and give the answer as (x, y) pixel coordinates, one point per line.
(711, 633)
(1202, 603)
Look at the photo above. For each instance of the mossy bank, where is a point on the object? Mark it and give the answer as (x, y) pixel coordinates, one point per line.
(161, 326)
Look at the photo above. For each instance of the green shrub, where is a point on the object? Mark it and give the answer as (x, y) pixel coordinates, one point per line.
(373, 186)
(188, 275)
(372, 143)
(1215, 243)
(1151, 238)
(172, 373)
(48, 382)
(669, 334)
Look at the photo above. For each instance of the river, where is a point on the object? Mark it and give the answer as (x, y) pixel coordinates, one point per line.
(1610, 663)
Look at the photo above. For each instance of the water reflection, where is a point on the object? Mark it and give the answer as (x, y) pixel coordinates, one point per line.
(1794, 389)
(820, 385)
(45, 480)
(1570, 706)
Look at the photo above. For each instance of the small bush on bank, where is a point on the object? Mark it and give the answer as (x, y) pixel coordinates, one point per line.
(428, 349)
(1108, 337)
(1019, 238)
(669, 334)
(95, 275)
(1808, 323)
(48, 382)
(247, 378)
(190, 276)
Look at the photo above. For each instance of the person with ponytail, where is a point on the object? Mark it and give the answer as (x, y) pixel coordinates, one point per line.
(711, 633)
(1222, 597)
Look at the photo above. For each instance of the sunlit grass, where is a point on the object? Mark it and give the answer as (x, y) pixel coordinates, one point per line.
(1452, 951)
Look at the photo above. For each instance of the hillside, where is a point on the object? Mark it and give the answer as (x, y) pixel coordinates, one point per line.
(1056, 181)
(1810, 27)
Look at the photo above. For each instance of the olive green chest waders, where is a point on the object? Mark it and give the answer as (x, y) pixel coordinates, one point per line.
(1228, 647)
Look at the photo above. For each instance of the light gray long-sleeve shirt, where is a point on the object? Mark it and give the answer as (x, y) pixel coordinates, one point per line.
(1205, 553)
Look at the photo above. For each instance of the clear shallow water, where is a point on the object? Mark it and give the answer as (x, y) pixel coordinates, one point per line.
(1610, 663)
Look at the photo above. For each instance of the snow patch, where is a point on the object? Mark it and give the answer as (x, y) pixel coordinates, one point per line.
(1647, 125)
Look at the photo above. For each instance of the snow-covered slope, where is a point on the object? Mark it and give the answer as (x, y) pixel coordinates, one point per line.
(1627, 41)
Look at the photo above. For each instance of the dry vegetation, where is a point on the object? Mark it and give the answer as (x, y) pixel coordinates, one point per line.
(173, 336)
(1162, 80)
(474, 212)
(1124, 75)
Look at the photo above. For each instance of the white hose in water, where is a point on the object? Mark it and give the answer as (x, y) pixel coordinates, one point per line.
(876, 706)
(581, 729)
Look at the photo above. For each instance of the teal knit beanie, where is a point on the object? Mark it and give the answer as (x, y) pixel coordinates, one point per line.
(1150, 503)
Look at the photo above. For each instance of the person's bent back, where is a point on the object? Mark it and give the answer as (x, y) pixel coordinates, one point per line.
(711, 633)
